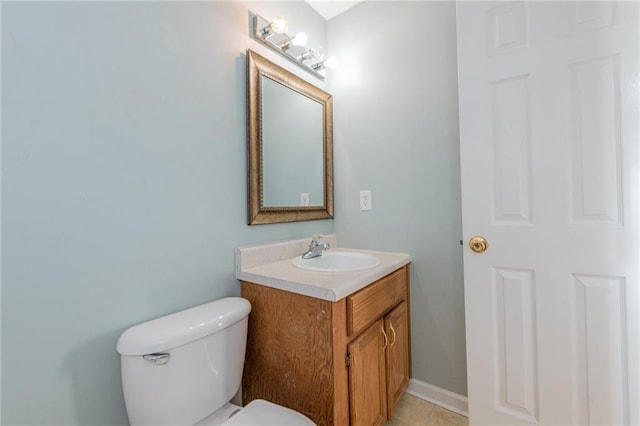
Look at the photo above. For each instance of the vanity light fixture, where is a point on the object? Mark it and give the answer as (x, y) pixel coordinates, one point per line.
(299, 39)
(310, 55)
(277, 26)
(330, 62)
(273, 34)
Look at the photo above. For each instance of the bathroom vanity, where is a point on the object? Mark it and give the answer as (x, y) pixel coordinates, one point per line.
(334, 346)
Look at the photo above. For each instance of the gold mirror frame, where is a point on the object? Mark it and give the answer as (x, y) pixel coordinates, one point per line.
(257, 68)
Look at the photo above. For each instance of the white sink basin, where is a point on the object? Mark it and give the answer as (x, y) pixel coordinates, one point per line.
(338, 261)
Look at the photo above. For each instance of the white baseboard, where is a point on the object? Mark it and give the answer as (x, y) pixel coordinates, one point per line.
(446, 399)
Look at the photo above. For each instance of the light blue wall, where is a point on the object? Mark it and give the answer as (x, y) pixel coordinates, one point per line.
(124, 178)
(123, 185)
(396, 133)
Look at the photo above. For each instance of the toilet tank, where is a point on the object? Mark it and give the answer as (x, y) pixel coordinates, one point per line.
(182, 367)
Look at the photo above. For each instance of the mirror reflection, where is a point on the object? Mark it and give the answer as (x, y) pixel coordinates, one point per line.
(292, 159)
(290, 146)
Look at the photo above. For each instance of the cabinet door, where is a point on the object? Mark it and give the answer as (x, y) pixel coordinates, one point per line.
(398, 364)
(367, 380)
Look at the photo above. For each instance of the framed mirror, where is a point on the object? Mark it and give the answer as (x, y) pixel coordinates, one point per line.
(290, 150)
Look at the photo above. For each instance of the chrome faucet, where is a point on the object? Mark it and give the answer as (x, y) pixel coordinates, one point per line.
(316, 247)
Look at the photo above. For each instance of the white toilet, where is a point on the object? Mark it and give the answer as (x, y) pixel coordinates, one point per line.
(184, 369)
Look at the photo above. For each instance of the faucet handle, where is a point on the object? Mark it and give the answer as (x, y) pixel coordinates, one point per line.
(315, 239)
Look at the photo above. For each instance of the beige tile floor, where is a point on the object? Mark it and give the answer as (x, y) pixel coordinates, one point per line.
(414, 411)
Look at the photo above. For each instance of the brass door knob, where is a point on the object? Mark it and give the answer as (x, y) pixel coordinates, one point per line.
(478, 244)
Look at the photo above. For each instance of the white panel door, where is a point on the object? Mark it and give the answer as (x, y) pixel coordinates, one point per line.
(549, 105)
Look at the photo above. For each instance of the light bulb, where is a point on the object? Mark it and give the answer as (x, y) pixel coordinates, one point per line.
(331, 62)
(279, 25)
(300, 39)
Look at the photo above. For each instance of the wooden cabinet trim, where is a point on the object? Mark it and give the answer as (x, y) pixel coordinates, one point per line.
(374, 301)
(340, 370)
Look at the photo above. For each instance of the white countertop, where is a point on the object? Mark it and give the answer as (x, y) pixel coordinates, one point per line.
(271, 265)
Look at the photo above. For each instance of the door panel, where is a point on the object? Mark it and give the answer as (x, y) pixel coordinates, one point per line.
(515, 339)
(549, 105)
(396, 324)
(367, 381)
(599, 349)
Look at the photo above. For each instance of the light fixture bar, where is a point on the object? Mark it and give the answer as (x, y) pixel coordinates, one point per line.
(291, 48)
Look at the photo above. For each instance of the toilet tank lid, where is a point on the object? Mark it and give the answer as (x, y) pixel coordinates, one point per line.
(182, 327)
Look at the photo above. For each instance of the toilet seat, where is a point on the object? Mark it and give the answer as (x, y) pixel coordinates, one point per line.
(260, 412)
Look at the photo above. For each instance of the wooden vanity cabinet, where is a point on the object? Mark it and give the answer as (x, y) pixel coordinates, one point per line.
(339, 363)
(386, 303)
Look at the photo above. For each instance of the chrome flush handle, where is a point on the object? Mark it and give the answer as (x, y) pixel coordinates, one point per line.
(158, 358)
